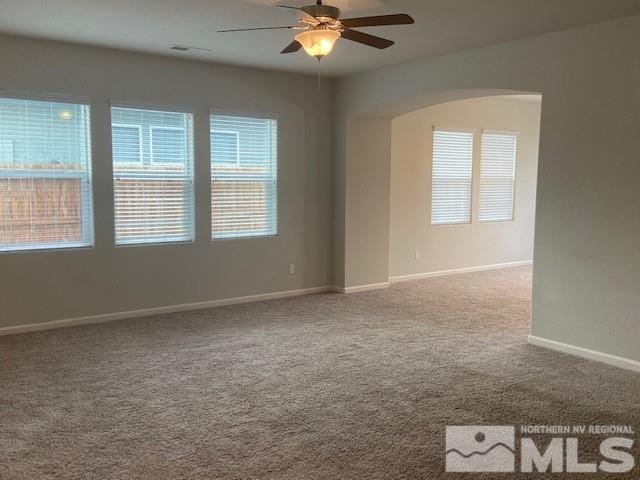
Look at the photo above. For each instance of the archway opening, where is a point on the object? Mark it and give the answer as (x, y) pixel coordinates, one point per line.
(390, 231)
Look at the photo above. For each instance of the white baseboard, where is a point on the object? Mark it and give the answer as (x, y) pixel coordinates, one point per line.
(443, 273)
(362, 288)
(619, 362)
(145, 312)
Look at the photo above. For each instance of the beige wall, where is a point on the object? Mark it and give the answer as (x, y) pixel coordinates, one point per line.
(459, 246)
(368, 200)
(587, 268)
(45, 286)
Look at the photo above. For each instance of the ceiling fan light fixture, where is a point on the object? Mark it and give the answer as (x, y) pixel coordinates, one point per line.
(318, 43)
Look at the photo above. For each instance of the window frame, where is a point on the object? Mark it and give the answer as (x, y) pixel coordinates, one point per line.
(256, 115)
(152, 128)
(472, 186)
(87, 209)
(140, 149)
(189, 131)
(236, 134)
(516, 134)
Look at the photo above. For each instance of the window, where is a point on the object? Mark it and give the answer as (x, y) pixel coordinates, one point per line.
(168, 145)
(451, 177)
(127, 143)
(225, 147)
(244, 176)
(152, 176)
(45, 175)
(497, 176)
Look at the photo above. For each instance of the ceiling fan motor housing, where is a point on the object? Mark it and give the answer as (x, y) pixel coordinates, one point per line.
(324, 13)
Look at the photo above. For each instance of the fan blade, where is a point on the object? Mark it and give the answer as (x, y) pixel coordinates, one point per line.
(253, 29)
(304, 15)
(292, 47)
(366, 39)
(381, 20)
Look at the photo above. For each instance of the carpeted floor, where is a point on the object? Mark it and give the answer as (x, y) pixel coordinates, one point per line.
(318, 387)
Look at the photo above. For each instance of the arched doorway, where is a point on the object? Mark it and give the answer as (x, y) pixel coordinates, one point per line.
(363, 251)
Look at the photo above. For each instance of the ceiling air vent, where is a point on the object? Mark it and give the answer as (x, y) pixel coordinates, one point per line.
(186, 48)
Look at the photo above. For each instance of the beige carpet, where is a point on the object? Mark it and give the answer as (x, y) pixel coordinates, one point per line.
(319, 387)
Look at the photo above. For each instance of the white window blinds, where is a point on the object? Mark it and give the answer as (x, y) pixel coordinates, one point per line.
(152, 176)
(497, 176)
(451, 177)
(244, 174)
(45, 175)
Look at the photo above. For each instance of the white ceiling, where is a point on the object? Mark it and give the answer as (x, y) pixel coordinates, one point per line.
(442, 27)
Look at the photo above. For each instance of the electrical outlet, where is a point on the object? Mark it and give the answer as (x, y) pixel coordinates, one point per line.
(418, 255)
(292, 269)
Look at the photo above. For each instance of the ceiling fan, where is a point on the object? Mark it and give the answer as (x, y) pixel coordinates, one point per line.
(321, 26)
